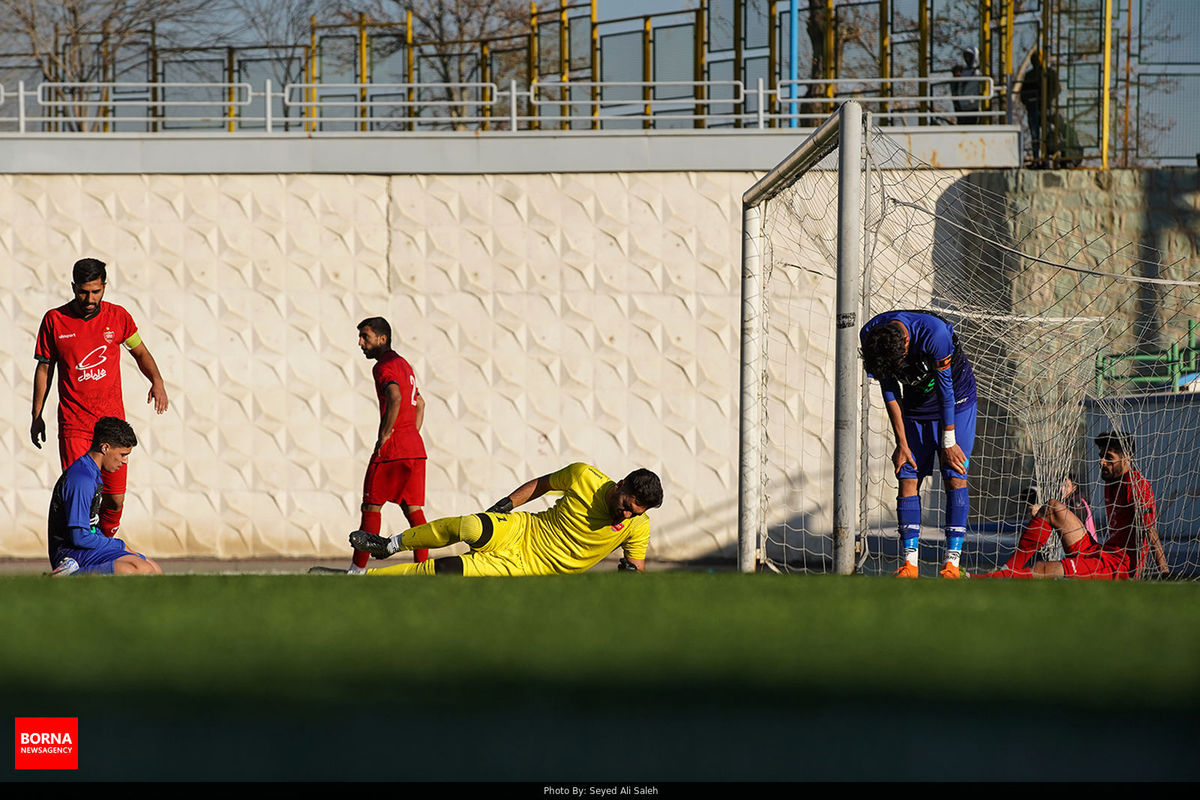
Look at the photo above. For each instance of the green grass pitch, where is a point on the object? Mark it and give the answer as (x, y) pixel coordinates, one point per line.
(659, 677)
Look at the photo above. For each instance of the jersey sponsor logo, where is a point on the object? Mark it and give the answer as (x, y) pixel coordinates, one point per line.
(66, 336)
(88, 366)
(620, 526)
(46, 742)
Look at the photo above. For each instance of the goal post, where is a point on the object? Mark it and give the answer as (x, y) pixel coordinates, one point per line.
(1071, 333)
(841, 132)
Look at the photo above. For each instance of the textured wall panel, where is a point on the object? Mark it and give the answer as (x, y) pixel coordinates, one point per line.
(549, 318)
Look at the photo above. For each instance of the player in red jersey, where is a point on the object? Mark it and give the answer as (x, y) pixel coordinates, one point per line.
(1132, 535)
(82, 340)
(396, 472)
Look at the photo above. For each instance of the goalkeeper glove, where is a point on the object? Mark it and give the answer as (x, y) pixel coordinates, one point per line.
(502, 506)
(625, 565)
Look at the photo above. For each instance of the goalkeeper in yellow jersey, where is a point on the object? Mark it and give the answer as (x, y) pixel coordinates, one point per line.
(594, 516)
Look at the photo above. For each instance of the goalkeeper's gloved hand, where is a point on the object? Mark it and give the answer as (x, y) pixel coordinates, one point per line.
(625, 565)
(502, 506)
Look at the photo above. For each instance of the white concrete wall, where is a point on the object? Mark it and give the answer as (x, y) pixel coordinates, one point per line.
(549, 318)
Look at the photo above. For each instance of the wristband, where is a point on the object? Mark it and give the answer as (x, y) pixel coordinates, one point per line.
(948, 440)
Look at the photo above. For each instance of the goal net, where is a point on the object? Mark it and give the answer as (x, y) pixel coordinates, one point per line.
(1070, 334)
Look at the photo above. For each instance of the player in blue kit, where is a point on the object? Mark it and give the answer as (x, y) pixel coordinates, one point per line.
(929, 390)
(75, 542)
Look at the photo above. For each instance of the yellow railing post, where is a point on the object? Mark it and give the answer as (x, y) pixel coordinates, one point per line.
(230, 91)
(1105, 83)
(923, 53)
(362, 71)
(485, 73)
(595, 55)
(534, 65)
(409, 65)
(647, 74)
(885, 51)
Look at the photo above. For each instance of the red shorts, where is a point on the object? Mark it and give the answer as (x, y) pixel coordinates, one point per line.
(1089, 560)
(72, 445)
(401, 482)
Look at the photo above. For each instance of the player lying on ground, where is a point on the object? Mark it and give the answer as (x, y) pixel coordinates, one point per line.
(934, 413)
(1130, 511)
(75, 541)
(594, 516)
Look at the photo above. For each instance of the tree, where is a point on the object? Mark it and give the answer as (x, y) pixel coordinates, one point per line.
(447, 36)
(94, 41)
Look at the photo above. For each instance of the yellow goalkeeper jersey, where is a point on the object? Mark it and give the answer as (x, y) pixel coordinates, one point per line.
(578, 530)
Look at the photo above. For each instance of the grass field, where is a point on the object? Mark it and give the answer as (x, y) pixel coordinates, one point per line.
(676, 676)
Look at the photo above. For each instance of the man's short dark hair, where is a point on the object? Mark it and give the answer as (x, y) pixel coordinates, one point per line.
(114, 432)
(645, 487)
(883, 351)
(87, 270)
(1111, 441)
(379, 325)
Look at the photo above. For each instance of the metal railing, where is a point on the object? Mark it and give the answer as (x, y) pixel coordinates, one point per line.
(97, 108)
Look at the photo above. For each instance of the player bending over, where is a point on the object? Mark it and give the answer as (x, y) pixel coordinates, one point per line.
(75, 541)
(594, 516)
(1130, 510)
(929, 390)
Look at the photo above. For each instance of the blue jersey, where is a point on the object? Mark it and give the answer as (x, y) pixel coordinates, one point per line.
(938, 379)
(75, 513)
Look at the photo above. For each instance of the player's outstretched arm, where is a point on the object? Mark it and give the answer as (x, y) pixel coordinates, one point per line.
(149, 368)
(41, 387)
(530, 490)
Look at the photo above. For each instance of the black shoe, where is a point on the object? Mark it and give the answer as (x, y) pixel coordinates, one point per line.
(326, 571)
(378, 546)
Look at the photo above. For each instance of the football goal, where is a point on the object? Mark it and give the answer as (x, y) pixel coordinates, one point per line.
(1070, 333)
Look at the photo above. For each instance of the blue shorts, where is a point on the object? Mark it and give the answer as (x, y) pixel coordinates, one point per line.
(925, 442)
(95, 562)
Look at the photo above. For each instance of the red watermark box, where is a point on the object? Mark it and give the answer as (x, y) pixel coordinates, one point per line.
(46, 743)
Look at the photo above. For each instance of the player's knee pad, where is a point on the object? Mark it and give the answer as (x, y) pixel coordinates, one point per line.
(448, 566)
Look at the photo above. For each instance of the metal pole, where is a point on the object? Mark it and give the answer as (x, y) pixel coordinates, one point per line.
(793, 60)
(750, 435)
(846, 368)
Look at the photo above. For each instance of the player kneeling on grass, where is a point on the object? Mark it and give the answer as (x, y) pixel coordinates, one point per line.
(1130, 511)
(76, 543)
(594, 516)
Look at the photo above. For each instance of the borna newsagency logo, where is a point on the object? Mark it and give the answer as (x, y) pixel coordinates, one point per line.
(46, 743)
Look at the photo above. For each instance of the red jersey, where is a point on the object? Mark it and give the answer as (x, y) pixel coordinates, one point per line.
(87, 355)
(1129, 506)
(405, 441)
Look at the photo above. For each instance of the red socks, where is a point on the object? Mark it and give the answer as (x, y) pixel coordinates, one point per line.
(371, 522)
(110, 521)
(1033, 538)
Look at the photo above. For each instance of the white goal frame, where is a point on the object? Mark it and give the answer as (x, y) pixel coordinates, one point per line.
(843, 131)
